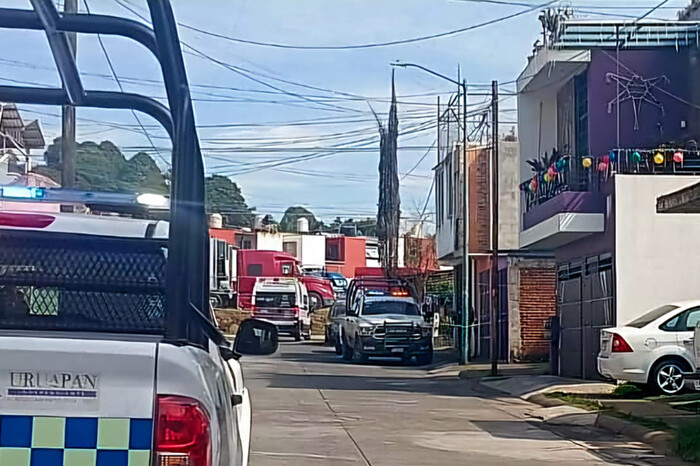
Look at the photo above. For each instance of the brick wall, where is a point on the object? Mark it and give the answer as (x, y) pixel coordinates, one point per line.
(537, 303)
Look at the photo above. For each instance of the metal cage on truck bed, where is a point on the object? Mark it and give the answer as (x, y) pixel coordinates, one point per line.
(52, 281)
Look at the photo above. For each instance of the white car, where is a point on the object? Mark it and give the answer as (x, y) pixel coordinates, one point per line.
(654, 349)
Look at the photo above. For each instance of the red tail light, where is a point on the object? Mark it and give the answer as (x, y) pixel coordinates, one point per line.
(17, 220)
(619, 345)
(183, 434)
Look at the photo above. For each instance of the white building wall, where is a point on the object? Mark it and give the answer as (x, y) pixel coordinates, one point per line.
(508, 194)
(313, 251)
(537, 126)
(266, 241)
(657, 256)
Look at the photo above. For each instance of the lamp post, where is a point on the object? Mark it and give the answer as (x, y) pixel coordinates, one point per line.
(462, 86)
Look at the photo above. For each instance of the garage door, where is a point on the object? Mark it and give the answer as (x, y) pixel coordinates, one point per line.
(585, 302)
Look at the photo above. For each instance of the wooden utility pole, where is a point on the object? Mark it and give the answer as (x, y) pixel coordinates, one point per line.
(68, 116)
(494, 232)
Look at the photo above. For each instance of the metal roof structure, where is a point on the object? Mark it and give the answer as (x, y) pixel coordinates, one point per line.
(16, 133)
(579, 34)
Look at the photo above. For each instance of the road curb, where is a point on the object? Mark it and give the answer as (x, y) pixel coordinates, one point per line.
(660, 441)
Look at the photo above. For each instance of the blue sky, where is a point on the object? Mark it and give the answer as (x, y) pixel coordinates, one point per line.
(273, 126)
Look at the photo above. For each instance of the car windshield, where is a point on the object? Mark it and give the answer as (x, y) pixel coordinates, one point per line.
(375, 308)
(651, 316)
(274, 300)
(341, 282)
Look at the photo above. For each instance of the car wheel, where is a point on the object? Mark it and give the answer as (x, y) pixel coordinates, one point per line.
(424, 359)
(667, 377)
(338, 346)
(347, 351)
(298, 332)
(357, 351)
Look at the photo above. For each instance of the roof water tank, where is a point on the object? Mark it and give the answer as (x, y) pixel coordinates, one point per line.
(216, 221)
(259, 221)
(302, 225)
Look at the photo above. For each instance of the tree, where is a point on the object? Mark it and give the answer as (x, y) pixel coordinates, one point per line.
(292, 214)
(102, 167)
(223, 196)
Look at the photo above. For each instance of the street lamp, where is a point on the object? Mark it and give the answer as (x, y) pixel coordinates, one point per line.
(465, 204)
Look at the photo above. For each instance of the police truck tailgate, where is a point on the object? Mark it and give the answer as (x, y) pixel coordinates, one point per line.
(73, 401)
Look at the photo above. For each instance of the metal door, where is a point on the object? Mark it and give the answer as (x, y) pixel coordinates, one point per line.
(585, 304)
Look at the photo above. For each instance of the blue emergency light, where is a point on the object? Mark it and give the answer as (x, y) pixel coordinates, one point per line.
(22, 192)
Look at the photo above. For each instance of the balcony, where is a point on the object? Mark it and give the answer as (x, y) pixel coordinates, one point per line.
(571, 204)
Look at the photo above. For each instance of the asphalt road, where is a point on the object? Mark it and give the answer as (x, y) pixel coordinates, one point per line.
(311, 408)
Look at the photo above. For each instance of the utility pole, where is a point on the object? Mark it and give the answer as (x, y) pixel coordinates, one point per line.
(494, 231)
(462, 87)
(465, 230)
(68, 115)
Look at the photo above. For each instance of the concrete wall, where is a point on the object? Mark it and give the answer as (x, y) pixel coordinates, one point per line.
(268, 241)
(657, 256)
(674, 123)
(508, 195)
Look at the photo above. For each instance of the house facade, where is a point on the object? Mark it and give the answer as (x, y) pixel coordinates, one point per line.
(526, 280)
(606, 126)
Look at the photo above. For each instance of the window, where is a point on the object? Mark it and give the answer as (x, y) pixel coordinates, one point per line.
(255, 270)
(333, 252)
(693, 319)
(282, 300)
(651, 316)
(247, 244)
(450, 188)
(689, 320)
(290, 247)
(438, 197)
(287, 269)
(390, 307)
(671, 325)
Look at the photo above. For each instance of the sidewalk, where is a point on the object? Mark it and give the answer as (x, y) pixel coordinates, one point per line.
(561, 401)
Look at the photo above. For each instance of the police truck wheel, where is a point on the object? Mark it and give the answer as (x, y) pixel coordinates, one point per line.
(346, 350)
(357, 351)
(338, 346)
(424, 359)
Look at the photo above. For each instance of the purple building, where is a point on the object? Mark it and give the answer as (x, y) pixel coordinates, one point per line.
(609, 116)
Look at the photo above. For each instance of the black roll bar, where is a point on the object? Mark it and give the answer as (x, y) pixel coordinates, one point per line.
(186, 268)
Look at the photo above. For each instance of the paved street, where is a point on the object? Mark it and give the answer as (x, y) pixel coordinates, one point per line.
(311, 408)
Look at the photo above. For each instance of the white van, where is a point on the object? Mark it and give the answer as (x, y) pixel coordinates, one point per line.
(284, 302)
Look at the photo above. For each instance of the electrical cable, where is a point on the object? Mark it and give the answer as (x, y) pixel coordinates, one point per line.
(121, 88)
(372, 44)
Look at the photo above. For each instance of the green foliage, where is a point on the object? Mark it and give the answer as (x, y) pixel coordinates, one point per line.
(224, 196)
(687, 442)
(102, 167)
(627, 390)
(292, 214)
(365, 227)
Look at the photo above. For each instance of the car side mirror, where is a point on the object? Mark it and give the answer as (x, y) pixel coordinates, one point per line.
(256, 337)
(228, 353)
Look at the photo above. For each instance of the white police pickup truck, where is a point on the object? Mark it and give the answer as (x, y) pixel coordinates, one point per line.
(383, 319)
(88, 375)
(110, 354)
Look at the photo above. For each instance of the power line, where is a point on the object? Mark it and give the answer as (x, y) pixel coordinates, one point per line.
(371, 44)
(121, 88)
(408, 173)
